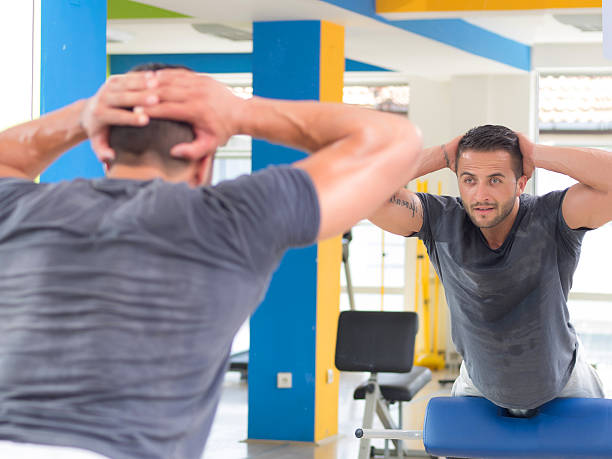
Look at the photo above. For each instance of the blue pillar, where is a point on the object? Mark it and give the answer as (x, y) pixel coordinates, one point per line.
(73, 66)
(296, 60)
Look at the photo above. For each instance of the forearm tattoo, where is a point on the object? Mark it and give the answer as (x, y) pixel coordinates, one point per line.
(445, 156)
(410, 205)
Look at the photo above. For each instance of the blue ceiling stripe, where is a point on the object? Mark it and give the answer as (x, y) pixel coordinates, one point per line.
(457, 33)
(204, 63)
(351, 65)
(212, 63)
(363, 7)
(468, 37)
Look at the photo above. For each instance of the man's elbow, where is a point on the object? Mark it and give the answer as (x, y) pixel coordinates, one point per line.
(397, 135)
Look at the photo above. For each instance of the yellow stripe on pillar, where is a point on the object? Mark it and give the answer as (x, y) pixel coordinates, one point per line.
(425, 6)
(329, 256)
(331, 78)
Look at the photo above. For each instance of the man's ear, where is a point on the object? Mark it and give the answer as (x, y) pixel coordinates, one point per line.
(203, 170)
(521, 183)
(107, 164)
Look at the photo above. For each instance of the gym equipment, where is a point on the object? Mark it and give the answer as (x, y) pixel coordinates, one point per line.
(381, 343)
(240, 362)
(346, 241)
(430, 357)
(473, 427)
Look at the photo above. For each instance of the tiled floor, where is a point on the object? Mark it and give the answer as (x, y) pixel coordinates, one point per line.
(229, 431)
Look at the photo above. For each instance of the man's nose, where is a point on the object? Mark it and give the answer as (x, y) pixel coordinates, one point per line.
(482, 192)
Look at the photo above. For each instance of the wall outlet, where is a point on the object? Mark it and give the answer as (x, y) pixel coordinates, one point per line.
(284, 380)
(330, 376)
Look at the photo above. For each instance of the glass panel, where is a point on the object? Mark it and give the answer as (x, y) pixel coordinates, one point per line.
(575, 102)
(229, 168)
(366, 257)
(233, 159)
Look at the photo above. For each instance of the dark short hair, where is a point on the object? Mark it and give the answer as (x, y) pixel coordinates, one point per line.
(132, 143)
(492, 137)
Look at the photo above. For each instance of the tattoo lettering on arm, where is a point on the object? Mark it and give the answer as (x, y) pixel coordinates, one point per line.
(445, 156)
(411, 205)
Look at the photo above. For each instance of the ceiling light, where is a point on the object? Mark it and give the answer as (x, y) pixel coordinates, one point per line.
(583, 22)
(117, 36)
(223, 31)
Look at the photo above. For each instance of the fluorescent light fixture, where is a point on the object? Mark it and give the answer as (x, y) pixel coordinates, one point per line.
(223, 31)
(117, 36)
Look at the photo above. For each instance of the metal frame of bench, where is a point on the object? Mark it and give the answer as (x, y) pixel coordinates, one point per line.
(378, 342)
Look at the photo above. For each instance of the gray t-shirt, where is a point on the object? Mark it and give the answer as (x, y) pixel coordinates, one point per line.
(508, 306)
(120, 299)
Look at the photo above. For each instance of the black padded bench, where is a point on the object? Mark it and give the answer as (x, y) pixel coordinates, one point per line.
(240, 362)
(381, 343)
(397, 387)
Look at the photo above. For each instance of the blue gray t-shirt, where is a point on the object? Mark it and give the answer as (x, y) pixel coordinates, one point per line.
(508, 306)
(119, 300)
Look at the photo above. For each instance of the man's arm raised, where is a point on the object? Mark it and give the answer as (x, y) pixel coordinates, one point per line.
(403, 213)
(588, 204)
(28, 148)
(360, 156)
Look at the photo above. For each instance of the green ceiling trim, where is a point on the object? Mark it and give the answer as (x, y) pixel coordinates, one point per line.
(128, 9)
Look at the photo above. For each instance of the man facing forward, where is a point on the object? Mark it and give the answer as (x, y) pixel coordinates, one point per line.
(506, 260)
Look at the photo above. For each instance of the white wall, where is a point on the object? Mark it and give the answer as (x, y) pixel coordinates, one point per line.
(20, 55)
(487, 99)
(568, 57)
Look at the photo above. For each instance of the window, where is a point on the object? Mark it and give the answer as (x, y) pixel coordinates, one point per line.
(233, 160)
(377, 266)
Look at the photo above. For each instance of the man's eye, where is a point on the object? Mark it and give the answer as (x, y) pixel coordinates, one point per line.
(495, 180)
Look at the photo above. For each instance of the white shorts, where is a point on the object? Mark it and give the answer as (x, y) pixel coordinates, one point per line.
(14, 450)
(583, 382)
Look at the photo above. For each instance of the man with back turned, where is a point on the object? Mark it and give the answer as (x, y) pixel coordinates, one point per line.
(121, 295)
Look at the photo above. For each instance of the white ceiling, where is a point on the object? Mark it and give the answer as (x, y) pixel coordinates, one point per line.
(153, 36)
(533, 28)
(367, 40)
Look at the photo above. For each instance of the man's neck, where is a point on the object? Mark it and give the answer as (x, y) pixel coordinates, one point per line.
(497, 234)
(140, 172)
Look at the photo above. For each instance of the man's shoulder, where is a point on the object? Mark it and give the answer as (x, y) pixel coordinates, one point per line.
(274, 184)
(15, 182)
(281, 199)
(22, 183)
(440, 205)
(13, 188)
(443, 217)
(269, 175)
(550, 201)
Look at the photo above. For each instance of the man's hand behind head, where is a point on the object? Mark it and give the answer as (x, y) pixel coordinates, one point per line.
(108, 107)
(211, 108)
(449, 150)
(526, 147)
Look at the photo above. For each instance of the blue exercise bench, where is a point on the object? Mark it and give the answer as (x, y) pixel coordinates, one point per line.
(473, 427)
